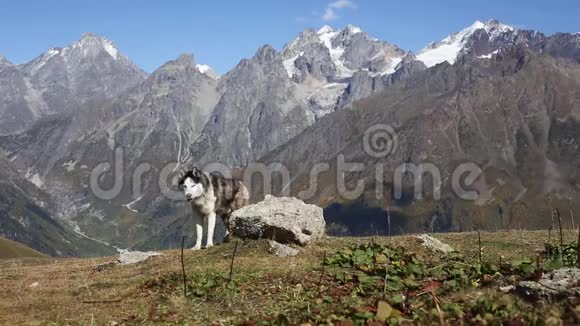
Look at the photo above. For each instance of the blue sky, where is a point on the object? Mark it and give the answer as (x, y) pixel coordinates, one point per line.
(220, 33)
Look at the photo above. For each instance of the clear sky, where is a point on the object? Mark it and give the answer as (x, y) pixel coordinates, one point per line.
(220, 33)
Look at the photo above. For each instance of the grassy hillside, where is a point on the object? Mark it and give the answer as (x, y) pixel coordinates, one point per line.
(422, 287)
(11, 249)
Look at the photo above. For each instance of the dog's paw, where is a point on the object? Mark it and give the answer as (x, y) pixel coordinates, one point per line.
(209, 245)
(196, 248)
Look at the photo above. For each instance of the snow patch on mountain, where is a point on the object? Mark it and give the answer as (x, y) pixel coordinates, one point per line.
(111, 49)
(43, 59)
(203, 68)
(325, 29)
(325, 98)
(353, 29)
(444, 52)
(326, 35)
(449, 48)
(488, 56)
(207, 70)
(290, 66)
(90, 45)
(392, 67)
(34, 179)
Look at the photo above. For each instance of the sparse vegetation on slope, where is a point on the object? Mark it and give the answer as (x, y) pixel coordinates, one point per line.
(349, 288)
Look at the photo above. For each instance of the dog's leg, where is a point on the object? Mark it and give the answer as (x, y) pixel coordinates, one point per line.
(210, 229)
(197, 220)
(226, 220)
(227, 237)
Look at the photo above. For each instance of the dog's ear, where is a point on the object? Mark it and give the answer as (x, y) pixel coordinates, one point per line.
(182, 173)
(196, 172)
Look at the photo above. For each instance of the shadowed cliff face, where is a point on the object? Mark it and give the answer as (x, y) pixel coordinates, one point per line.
(26, 216)
(516, 116)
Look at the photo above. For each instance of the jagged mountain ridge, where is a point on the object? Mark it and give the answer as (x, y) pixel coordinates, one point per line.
(59, 152)
(484, 39)
(152, 123)
(515, 115)
(313, 75)
(235, 119)
(63, 80)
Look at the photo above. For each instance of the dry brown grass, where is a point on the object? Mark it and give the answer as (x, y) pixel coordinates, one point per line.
(11, 249)
(72, 291)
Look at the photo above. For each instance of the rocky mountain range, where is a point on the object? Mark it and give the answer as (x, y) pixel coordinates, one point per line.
(63, 80)
(73, 109)
(515, 116)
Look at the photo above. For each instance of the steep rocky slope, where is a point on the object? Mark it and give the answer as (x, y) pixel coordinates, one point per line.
(272, 97)
(26, 217)
(149, 126)
(63, 80)
(514, 115)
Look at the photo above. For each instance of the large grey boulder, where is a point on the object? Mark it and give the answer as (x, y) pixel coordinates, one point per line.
(282, 219)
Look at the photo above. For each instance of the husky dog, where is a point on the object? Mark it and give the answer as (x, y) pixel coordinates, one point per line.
(211, 195)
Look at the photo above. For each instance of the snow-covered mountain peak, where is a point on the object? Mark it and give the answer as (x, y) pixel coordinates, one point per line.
(324, 35)
(462, 36)
(207, 70)
(91, 44)
(327, 32)
(41, 60)
(495, 24)
(350, 50)
(3, 60)
(353, 29)
(449, 48)
(325, 29)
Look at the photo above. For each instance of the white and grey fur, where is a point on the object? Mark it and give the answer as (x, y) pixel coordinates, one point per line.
(211, 195)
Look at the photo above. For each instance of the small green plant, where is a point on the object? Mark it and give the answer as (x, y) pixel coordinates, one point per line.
(412, 285)
(208, 285)
(383, 284)
(559, 256)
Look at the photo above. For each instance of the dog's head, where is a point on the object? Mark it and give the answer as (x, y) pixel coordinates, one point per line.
(193, 183)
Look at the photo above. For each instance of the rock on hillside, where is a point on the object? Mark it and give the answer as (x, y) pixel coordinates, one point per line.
(284, 220)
